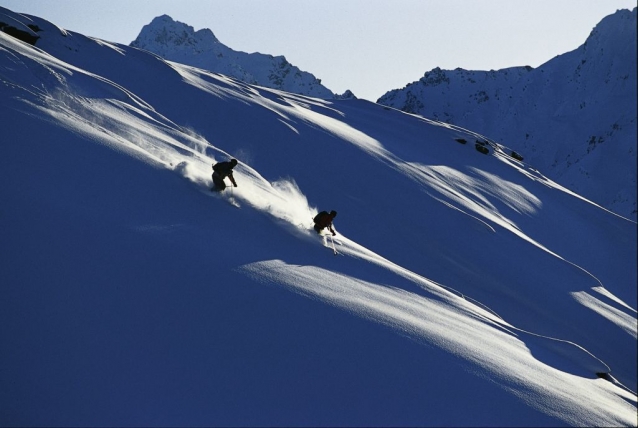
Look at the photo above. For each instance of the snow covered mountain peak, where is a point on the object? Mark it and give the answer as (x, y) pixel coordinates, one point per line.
(165, 35)
(573, 117)
(618, 27)
(179, 42)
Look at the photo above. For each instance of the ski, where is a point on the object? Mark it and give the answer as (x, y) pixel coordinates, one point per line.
(230, 199)
(333, 245)
(325, 243)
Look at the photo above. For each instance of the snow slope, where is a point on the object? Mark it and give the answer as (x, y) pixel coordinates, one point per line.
(573, 117)
(469, 289)
(179, 42)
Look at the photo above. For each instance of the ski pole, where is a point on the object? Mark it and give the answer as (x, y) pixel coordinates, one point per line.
(333, 244)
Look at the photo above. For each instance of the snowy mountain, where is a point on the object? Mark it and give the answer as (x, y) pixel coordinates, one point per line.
(574, 117)
(179, 42)
(467, 288)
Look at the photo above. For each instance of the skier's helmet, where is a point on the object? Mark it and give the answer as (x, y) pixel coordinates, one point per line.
(333, 213)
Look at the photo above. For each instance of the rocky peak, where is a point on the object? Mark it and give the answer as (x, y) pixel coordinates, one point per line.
(179, 42)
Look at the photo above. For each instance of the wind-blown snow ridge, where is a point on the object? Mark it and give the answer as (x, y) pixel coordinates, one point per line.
(423, 318)
(118, 254)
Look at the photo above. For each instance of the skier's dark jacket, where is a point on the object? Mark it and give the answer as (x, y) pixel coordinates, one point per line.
(323, 219)
(223, 170)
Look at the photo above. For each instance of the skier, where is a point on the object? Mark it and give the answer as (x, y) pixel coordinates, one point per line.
(222, 170)
(323, 220)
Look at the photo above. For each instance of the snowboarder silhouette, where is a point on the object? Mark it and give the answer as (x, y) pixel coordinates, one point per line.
(323, 220)
(222, 170)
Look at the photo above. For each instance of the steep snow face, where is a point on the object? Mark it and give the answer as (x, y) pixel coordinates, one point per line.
(574, 117)
(468, 289)
(179, 42)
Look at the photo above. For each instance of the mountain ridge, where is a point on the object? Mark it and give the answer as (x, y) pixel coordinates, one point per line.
(590, 91)
(510, 106)
(179, 42)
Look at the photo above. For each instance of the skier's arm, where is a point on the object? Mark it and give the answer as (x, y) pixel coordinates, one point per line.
(232, 180)
(331, 229)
